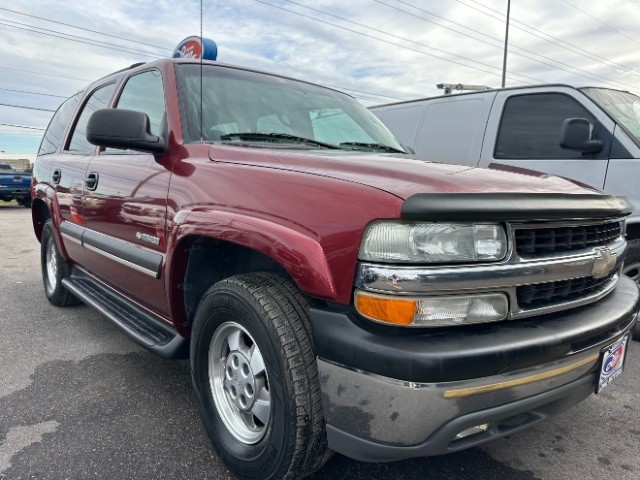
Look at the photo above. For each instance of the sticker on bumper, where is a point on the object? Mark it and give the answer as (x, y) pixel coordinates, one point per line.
(612, 363)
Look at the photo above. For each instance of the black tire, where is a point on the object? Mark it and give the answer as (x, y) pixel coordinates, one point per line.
(632, 269)
(53, 288)
(26, 202)
(275, 314)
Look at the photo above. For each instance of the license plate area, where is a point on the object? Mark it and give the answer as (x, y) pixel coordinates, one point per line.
(612, 363)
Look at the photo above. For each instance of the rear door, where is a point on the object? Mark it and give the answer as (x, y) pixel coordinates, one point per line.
(69, 170)
(125, 204)
(524, 131)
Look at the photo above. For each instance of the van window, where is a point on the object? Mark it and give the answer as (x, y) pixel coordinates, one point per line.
(53, 136)
(531, 127)
(100, 98)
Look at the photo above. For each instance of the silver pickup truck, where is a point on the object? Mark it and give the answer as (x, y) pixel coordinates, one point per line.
(588, 134)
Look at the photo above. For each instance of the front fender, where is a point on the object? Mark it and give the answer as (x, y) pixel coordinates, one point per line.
(297, 250)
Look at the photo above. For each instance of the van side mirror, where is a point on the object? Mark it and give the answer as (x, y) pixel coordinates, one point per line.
(576, 136)
(126, 129)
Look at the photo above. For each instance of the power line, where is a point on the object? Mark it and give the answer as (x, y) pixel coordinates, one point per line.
(601, 22)
(33, 93)
(46, 74)
(26, 108)
(362, 91)
(383, 40)
(72, 38)
(555, 40)
(399, 37)
(591, 76)
(21, 126)
(85, 29)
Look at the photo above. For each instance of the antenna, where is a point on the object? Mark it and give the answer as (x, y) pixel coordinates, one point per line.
(201, 57)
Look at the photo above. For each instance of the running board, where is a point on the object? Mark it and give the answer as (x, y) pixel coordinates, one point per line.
(144, 328)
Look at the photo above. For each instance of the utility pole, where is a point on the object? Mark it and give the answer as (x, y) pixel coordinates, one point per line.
(506, 44)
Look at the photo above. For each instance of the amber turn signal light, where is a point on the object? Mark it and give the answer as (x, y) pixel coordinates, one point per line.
(392, 310)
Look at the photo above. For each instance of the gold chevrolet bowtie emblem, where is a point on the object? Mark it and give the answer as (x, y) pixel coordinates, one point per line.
(604, 262)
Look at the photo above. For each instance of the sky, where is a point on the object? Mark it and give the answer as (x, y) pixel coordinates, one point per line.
(380, 51)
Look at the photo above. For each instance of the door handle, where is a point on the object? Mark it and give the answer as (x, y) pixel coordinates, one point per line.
(57, 174)
(91, 182)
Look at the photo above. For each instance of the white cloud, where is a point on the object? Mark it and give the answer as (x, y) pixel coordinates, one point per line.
(253, 34)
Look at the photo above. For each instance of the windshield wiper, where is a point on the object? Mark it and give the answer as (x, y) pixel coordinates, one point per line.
(379, 146)
(258, 136)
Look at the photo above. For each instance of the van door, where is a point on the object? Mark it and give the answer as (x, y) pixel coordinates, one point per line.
(524, 131)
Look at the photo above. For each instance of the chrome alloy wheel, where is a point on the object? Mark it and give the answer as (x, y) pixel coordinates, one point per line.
(51, 261)
(239, 382)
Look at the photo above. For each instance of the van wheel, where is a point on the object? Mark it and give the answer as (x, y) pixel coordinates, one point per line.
(256, 379)
(54, 269)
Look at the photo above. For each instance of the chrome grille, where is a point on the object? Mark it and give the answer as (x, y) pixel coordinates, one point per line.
(543, 294)
(564, 239)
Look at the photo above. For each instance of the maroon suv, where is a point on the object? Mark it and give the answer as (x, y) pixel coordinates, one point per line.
(333, 293)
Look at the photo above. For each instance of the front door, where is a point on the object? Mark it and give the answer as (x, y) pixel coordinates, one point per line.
(524, 131)
(125, 205)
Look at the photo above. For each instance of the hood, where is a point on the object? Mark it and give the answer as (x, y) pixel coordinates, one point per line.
(400, 175)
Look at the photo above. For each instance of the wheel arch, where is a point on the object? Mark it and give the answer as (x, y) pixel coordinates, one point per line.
(206, 248)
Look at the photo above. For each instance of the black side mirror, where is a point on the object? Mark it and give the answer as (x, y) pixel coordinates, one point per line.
(126, 129)
(576, 136)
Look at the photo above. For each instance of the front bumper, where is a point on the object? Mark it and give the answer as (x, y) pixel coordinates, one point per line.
(392, 397)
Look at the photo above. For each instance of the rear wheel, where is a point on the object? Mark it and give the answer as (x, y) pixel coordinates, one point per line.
(54, 269)
(255, 376)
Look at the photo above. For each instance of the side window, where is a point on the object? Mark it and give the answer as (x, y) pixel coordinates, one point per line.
(99, 99)
(53, 135)
(531, 126)
(144, 93)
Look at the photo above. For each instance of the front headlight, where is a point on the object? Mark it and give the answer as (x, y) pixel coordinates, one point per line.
(400, 242)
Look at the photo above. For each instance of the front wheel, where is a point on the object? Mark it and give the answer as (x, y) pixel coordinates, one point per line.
(256, 380)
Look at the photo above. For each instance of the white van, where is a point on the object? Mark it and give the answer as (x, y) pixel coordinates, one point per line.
(588, 134)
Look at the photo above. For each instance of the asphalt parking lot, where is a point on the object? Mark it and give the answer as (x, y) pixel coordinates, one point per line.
(79, 400)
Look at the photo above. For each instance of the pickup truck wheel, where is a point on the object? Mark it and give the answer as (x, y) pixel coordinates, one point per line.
(54, 269)
(26, 202)
(256, 380)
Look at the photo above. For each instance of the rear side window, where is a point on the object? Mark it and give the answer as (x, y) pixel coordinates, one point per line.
(531, 126)
(53, 135)
(99, 99)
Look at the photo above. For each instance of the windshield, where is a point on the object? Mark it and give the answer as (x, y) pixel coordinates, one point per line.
(241, 102)
(623, 107)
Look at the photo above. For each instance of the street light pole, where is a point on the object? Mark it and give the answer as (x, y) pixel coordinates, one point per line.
(506, 43)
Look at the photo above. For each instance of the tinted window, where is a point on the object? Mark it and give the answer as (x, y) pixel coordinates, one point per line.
(531, 126)
(55, 130)
(238, 101)
(144, 93)
(99, 99)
